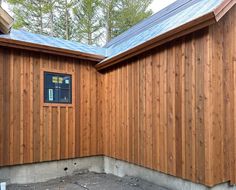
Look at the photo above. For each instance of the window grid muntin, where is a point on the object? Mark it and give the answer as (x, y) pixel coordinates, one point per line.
(57, 87)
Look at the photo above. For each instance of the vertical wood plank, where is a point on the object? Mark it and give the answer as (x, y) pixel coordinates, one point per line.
(136, 112)
(16, 125)
(1, 106)
(149, 114)
(183, 110)
(7, 97)
(11, 122)
(78, 108)
(142, 117)
(200, 126)
(217, 90)
(93, 114)
(156, 110)
(26, 109)
(55, 131)
(171, 111)
(63, 132)
(36, 110)
(178, 108)
(188, 119)
(208, 111)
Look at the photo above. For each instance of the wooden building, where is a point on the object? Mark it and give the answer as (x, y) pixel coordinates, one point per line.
(162, 95)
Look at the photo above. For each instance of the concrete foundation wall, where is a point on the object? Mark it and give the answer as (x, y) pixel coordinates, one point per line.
(42, 172)
(121, 169)
(33, 173)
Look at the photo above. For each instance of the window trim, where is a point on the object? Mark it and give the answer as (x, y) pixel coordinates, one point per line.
(69, 89)
(42, 89)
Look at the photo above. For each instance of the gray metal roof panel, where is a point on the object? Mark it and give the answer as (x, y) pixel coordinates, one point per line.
(21, 35)
(152, 20)
(173, 16)
(198, 9)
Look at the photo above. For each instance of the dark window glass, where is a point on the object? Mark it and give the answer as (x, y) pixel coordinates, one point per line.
(57, 88)
(64, 95)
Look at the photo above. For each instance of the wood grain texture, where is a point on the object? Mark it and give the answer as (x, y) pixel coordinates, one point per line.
(170, 109)
(32, 131)
(176, 112)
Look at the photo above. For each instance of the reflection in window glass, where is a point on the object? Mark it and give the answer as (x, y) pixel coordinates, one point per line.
(57, 88)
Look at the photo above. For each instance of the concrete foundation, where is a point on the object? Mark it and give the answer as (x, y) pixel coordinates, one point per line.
(121, 169)
(42, 172)
(34, 173)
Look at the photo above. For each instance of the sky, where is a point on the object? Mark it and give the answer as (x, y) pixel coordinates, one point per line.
(155, 6)
(160, 4)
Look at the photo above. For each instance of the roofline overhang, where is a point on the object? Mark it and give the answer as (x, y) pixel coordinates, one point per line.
(197, 24)
(223, 8)
(48, 49)
(192, 26)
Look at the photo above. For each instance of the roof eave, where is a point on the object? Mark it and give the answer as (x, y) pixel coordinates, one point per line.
(48, 49)
(183, 30)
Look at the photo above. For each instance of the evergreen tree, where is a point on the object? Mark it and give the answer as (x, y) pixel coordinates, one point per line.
(110, 14)
(63, 22)
(88, 21)
(81, 20)
(31, 15)
(130, 13)
(51, 20)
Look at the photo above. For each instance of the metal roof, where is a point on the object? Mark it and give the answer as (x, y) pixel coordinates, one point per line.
(23, 36)
(173, 16)
(169, 18)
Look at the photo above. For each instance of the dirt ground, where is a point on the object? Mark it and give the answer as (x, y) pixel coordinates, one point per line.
(90, 181)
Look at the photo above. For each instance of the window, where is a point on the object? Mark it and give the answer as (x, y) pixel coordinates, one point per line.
(57, 88)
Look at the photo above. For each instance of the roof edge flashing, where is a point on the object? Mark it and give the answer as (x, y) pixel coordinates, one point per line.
(223, 8)
(182, 30)
(205, 20)
(49, 49)
(155, 18)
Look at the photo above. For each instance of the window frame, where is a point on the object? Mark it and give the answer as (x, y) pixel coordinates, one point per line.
(42, 87)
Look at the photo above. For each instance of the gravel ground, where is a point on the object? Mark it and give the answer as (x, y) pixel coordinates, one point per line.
(90, 181)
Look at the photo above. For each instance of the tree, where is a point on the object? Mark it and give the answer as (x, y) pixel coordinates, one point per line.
(31, 15)
(63, 23)
(51, 5)
(110, 13)
(88, 21)
(131, 12)
(81, 20)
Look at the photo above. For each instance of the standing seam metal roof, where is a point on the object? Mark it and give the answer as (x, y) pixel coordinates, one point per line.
(23, 36)
(171, 17)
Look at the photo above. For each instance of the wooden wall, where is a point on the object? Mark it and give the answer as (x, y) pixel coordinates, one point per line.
(154, 109)
(223, 105)
(31, 131)
(173, 109)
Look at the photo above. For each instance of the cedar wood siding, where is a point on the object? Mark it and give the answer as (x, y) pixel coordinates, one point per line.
(31, 131)
(172, 109)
